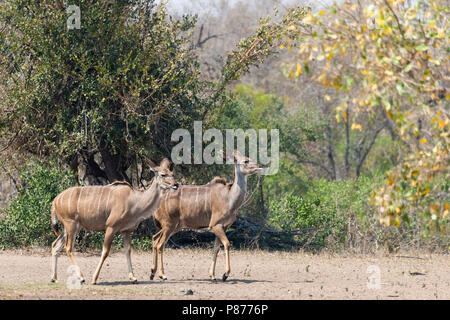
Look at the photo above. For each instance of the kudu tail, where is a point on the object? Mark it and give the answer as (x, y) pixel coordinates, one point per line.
(54, 220)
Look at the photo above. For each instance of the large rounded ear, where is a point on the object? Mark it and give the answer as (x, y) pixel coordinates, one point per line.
(151, 164)
(226, 157)
(237, 155)
(165, 163)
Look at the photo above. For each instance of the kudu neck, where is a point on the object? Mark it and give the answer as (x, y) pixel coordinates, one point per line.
(239, 187)
(152, 192)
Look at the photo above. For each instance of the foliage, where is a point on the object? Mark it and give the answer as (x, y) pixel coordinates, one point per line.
(123, 81)
(26, 220)
(314, 221)
(326, 209)
(389, 59)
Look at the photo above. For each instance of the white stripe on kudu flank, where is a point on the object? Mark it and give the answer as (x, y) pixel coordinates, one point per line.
(210, 202)
(196, 198)
(91, 200)
(79, 195)
(100, 198)
(107, 201)
(70, 198)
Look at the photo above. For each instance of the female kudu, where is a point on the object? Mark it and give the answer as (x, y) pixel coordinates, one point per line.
(213, 206)
(113, 208)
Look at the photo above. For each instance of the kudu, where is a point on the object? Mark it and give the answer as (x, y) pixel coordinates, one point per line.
(113, 208)
(213, 206)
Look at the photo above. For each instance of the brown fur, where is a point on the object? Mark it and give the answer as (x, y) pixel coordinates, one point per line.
(219, 180)
(114, 208)
(118, 183)
(213, 205)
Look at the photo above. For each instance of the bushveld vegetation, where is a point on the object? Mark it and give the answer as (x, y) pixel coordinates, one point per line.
(357, 90)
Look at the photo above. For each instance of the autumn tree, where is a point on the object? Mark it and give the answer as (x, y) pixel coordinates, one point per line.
(388, 59)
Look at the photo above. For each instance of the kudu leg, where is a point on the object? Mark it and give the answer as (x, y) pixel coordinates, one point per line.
(127, 249)
(216, 250)
(164, 237)
(219, 230)
(57, 246)
(154, 254)
(109, 236)
(71, 232)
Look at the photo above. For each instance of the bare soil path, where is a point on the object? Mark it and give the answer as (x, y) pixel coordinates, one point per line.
(25, 274)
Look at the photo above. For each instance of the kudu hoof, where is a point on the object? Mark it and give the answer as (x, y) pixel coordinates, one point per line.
(82, 281)
(152, 276)
(163, 278)
(53, 281)
(133, 281)
(224, 277)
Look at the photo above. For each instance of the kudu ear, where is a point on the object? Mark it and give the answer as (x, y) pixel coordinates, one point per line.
(165, 163)
(151, 164)
(227, 157)
(237, 155)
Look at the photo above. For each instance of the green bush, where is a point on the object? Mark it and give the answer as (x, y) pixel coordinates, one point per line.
(325, 212)
(26, 221)
(317, 222)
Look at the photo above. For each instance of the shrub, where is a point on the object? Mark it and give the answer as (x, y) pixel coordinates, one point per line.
(26, 220)
(328, 212)
(317, 221)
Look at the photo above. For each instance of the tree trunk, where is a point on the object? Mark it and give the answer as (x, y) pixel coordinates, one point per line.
(115, 166)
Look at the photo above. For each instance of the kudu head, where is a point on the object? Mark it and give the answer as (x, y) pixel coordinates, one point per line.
(163, 174)
(246, 165)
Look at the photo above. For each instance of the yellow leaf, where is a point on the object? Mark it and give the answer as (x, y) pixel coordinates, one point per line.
(291, 28)
(423, 140)
(426, 191)
(281, 46)
(356, 126)
(299, 71)
(442, 124)
(308, 19)
(321, 13)
(327, 97)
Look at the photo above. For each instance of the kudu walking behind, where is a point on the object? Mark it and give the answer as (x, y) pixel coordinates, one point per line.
(213, 206)
(112, 208)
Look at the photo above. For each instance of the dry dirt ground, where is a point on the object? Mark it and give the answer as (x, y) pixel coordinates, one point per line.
(24, 274)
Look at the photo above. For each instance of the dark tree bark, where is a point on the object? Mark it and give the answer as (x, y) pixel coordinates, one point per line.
(115, 165)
